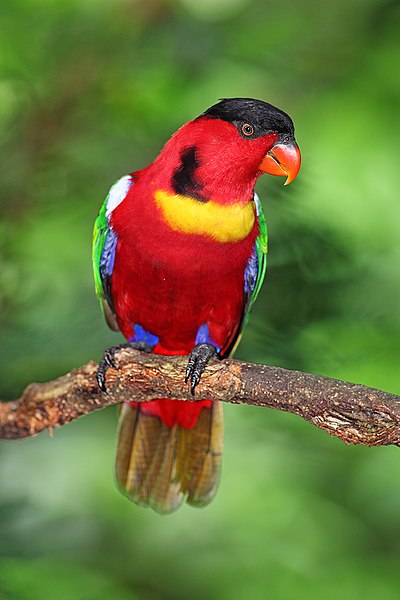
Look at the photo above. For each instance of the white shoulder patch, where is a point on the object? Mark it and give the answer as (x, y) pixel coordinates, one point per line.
(257, 203)
(117, 193)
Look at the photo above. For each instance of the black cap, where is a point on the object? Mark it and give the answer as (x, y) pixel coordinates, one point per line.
(264, 118)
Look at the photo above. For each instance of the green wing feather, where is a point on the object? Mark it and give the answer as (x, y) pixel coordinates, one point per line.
(104, 246)
(261, 248)
(102, 285)
(100, 231)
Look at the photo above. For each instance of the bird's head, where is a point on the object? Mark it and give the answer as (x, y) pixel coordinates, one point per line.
(258, 136)
(220, 154)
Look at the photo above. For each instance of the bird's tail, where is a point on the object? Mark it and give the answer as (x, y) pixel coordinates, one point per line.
(160, 465)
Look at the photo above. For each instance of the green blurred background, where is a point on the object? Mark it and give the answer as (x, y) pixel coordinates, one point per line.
(89, 91)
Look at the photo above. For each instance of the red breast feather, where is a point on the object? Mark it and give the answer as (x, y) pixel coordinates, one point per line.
(171, 283)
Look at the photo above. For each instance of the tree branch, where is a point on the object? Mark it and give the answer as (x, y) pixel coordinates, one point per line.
(353, 413)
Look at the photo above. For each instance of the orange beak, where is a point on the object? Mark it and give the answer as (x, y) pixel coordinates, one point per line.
(283, 160)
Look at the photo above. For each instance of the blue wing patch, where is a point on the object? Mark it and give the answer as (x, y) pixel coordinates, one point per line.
(105, 245)
(251, 272)
(253, 276)
(108, 255)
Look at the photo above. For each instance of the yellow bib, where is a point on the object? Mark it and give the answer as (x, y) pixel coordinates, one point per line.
(224, 223)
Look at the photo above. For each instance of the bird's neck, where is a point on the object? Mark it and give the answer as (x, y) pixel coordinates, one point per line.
(196, 171)
(200, 198)
(224, 223)
(199, 186)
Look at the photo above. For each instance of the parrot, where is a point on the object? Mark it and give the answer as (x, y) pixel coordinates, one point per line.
(179, 257)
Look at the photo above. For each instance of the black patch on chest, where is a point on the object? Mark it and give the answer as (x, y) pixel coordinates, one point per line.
(184, 181)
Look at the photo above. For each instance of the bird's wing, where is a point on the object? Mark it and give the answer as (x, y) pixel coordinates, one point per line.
(104, 248)
(253, 277)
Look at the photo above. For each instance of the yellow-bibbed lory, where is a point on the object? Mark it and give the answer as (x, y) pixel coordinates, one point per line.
(179, 257)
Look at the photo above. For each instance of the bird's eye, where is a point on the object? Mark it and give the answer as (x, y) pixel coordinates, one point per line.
(247, 129)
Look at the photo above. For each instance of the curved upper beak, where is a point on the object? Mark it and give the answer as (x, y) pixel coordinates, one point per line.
(283, 160)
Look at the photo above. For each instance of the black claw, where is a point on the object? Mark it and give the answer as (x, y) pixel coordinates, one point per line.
(101, 375)
(198, 359)
(108, 360)
(189, 368)
(109, 355)
(195, 380)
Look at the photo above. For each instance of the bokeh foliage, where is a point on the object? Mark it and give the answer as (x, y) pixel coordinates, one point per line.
(90, 91)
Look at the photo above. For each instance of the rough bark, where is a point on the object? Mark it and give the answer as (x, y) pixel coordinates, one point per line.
(354, 413)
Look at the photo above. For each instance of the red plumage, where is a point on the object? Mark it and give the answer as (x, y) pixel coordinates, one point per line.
(174, 280)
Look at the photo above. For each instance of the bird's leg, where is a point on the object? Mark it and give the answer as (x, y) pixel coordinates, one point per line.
(198, 359)
(108, 359)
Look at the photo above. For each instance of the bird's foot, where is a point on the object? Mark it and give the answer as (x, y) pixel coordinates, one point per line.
(108, 360)
(198, 359)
